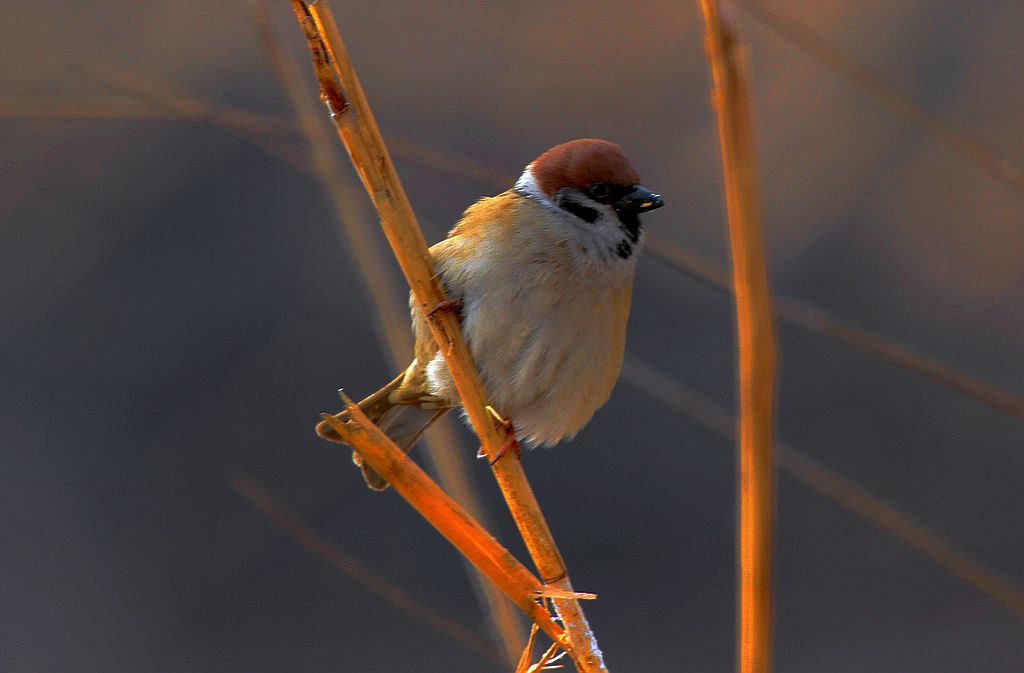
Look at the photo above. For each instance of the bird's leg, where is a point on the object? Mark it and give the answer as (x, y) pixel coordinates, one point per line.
(446, 305)
(510, 437)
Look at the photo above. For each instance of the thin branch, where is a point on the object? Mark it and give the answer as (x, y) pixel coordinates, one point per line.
(361, 137)
(545, 659)
(821, 322)
(53, 110)
(451, 163)
(165, 96)
(262, 131)
(975, 152)
(356, 570)
(755, 336)
(524, 659)
(389, 305)
(833, 486)
(420, 491)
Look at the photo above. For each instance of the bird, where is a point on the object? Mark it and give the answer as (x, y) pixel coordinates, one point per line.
(542, 277)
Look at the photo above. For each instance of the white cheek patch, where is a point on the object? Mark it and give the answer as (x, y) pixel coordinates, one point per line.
(597, 242)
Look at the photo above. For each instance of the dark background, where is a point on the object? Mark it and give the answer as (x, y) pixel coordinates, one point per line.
(175, 305)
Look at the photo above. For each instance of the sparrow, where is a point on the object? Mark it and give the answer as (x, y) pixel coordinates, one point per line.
(542, 277)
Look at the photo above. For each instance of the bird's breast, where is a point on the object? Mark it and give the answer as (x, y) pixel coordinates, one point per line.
(544, 311)
(550, 349)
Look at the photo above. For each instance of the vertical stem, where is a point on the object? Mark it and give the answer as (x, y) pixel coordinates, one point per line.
(755, 339)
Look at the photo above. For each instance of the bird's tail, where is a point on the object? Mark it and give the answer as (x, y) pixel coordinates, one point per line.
(404, 421)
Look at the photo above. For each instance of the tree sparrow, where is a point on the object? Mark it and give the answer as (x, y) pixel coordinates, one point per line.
(542, 275)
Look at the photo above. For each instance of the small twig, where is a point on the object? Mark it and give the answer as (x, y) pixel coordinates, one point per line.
(835, 487)
(524, 659)
(756, 340)
(262, 131)
(545, 659)
(361, 137)
(451, 520)
(451, 163)
(185, 105)
(54, 110)
(355, 569)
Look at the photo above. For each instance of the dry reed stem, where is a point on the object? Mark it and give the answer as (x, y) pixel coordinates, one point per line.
(870, 81)
(451, 520)
(262, 131)
(188, 106)
(46, 110)
(931, 544)
(755, 340)
(821, 322)
(833, 486)
(361, 137)
(356, 570)
(451, 163)
(391, 312)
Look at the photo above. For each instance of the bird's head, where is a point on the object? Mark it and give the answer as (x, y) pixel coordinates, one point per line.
(591, 180)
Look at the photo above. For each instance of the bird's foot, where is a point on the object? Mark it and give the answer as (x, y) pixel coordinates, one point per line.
(326, 431)
(446, 305)
(510, 442)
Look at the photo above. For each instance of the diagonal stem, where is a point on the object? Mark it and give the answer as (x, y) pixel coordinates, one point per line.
(451, 520)
(359, 133)
(390, 308)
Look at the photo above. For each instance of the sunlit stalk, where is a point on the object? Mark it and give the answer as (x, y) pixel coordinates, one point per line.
(755, 337)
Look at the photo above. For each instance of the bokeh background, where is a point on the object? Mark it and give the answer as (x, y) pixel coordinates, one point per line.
(176, 306)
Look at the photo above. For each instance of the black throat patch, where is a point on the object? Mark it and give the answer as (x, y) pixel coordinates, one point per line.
(630, 224)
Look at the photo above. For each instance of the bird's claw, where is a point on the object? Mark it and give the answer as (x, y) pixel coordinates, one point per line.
(510, 441)
(445, 305)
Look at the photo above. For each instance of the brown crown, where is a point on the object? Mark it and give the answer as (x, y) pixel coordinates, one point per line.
(579, 163)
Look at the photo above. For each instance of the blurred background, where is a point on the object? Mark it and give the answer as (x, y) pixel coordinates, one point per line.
(177, 307)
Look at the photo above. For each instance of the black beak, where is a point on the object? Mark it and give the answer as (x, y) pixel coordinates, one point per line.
(640, 200)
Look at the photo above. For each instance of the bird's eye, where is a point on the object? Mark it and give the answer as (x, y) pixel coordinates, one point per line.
(599, 191)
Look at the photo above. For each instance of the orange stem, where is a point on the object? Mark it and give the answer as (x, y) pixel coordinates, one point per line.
(451, 520)
(755, 338)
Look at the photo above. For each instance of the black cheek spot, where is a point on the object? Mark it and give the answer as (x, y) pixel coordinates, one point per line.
(586, 214)
(624, 249)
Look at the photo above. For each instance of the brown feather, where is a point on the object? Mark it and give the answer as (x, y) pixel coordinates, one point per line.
(580, 163)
